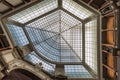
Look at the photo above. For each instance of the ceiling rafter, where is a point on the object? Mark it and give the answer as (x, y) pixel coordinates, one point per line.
(7, 4)
(105, 5)
(90, 2)
(90, 8)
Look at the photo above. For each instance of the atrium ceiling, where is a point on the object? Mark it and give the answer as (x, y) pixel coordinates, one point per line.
(60, 32)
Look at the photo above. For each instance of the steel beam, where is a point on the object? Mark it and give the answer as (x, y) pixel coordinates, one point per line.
(90, 71)
(59, 3)
(44, 30)
(83, 42)
(71, 48)
(90, 18)
(15, 23)
(90, 2)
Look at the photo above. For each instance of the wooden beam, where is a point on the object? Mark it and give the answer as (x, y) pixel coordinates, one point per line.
(105, 5)
(90, 2)
(108, 67)
(111, 13)
(7, 4)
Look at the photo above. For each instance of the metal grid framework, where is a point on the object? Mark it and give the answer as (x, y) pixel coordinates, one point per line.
(18, 35)
(58, 36)
(76, 9)
(91, 44)
(38, 9)
(77, 71)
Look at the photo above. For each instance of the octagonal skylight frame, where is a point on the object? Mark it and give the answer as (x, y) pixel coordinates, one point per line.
(67, 8)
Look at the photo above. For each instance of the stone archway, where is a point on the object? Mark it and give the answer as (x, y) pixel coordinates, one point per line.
(21, 74)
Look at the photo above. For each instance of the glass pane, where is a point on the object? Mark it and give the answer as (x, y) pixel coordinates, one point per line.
(76, 9)
(91, 44)
(35, 59)
(77, 71)
(57, 36)
(18, 35)
(35, 11)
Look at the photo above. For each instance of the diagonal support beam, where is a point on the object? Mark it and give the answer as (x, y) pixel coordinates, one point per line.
(71, 47)
(90, 2)
(15, 22)
(41, 16)
(44, 30)
(69, 28)
(72, 14)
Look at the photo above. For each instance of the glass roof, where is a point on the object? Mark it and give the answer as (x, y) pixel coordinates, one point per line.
(48, 5)
(35, 59)
(52, 37)
(76, 9)
(54, 19)
(77, 71)
(58, 37)
(35, 11)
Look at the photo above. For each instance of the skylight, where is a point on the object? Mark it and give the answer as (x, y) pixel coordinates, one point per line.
(76, 9)
(54, 36)
(35, 11)
(59, 35)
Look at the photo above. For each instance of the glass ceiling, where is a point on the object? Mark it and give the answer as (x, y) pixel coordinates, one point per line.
(77, 71)
(76, 9)
(57, 37)
(48, 5)
(35, 11)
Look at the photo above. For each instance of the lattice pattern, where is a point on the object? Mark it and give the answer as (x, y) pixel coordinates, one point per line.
(35, 11)
(77, 71)
(76, 9)
(18, 35)
(55, 41)
(33, 58)
(91, 44)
